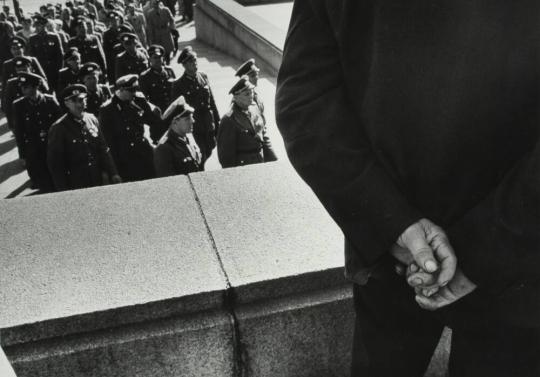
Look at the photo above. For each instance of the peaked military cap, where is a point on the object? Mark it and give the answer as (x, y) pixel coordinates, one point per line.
(247, 68)
(17, 41)
(74, 91)
(89, 68)
(156, 50)
(179, 108)
(26, 78)
(125, 37)
(71, 53)
(115, 14)
(22, 61)
(79, 21)
(40, 19)
(241, 85)
(128, 82)
(186, 54)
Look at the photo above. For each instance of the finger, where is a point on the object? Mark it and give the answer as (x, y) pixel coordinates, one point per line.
(421, 279)
(422, 253)
(446, 257)
(428, 292)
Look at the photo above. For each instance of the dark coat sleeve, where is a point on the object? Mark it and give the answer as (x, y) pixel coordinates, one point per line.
(56, 157)
(323, 137)
(226, 143)
(17, 127)
(106, 120)
(268, 151)
(164, 161)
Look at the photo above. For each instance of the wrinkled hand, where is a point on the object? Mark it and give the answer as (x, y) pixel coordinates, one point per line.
(457, 288)
(426, 245)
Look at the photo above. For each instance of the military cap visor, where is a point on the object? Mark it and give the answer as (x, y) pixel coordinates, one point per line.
(247, 68)
(22, 61)
(242, 85)
(29, 79)
(39, 19)
(156, 50)
(186, 55)
(127, 37)
(89, 69)
(74, 91)
(17, 41)
(178, 109)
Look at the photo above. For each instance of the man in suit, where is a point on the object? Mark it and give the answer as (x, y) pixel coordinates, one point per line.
(416, 125)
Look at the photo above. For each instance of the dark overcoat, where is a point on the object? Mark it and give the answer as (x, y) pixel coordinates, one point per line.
(175, 155)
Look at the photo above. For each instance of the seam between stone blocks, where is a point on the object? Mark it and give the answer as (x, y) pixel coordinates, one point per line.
(229, 299)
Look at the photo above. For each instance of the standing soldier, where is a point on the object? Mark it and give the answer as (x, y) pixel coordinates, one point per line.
(160, 22)
(77, 154)
(33, 115)
(177, 153)
(17, 46)
(47, 48)
(89, 45)
(123, 120)
(195, 88)
(250, 70)
(97, 94)
(133, 60)
(70, 74)
(110, 39)
(242, 138)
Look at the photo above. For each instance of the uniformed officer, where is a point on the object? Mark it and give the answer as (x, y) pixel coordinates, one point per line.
(12, 90)
(177, 151)
(123, 120)
(156, 81)
(33, 115)
(242, 138)
(17, 46)
(251, 70)
(97, 94)
(47, 48)
(70, 74)
(89, 45)
(78, 155)
(195, 88)
(111, 38)
(134, 60)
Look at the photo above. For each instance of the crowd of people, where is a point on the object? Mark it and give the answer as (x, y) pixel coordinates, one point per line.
(89, 94)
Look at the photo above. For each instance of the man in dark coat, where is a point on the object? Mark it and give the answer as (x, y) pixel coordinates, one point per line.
(156, 81)
(111, 37)
(177, 152)
(195, 88)
(97, 94)
(77, 154)
(242, 138)
(89, 45)
(47, 48)
(123, 120)
(33, 115)
(17, 46)
(401, 116)
(250, 69)
(70, 74)
(134, 60)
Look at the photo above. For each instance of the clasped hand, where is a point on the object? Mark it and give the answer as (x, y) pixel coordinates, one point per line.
(429, 263)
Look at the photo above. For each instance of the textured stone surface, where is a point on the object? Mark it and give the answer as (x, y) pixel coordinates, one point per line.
(300, 336)
(277, 230)
(196, 346)
(101, 257)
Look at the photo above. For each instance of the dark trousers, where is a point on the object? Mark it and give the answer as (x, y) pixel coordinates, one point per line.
(395, 337)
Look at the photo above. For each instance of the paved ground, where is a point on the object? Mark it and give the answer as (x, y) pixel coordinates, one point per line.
(220, 69)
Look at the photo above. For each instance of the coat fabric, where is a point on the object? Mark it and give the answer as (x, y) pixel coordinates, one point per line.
(242, 138)
(156, 86)
(77, 154)
(66, 77)
(126, 64)
(96, 98)
(90, 49)
(32, 120)
(48, 50)
(123, 126)
(110, 39)
(198, 94)
(175, 155)
(420, 111)
(159, 23)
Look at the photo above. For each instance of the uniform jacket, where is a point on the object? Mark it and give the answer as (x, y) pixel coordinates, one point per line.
(8, 69)
(159, 23)
(90, 49)
(175, 155)
(242, 138)
(11, 92)
(198, 94)
(123, 127)
(47, 48)
(66, 77)
(77, 153)
(412, 115)
(156, 86)
(95, 99)
(126, 63)
(110, 39)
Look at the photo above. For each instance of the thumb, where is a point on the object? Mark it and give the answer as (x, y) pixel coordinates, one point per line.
(420, 250)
